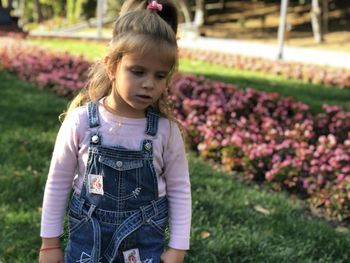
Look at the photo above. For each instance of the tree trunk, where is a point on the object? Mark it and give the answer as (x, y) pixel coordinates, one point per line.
(199, 16)
(38, 11)
(183, 5)
(70, 11)
(325, 16)
(21, 8)
(78, 9)
(282, 27)
(316, 21)
(222, 3)
(10, 4)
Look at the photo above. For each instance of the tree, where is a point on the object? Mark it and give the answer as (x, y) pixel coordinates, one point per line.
(10, 4)
(78, 9)
(70, 10)
(56, 6)
(199, 16)
(185, 10)
(38, 12)
(319, 19)
(89, 8)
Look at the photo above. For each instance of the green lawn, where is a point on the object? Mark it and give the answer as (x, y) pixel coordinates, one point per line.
(313, 95)
(90, 50)
(28, 124)
(232, 221)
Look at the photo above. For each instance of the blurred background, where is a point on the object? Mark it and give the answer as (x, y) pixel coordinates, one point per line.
(318, 23)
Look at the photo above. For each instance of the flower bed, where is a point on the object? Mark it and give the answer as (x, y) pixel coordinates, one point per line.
(270, 139)
(58, 71)
(265, 137)
(309, 73)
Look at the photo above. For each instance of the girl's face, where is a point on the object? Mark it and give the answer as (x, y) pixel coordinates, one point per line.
(140, 80)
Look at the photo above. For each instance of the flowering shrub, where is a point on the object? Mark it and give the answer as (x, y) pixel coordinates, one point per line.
(309, 73)
(58, 71)
(13, 34)
(270, 139)
(267, 138)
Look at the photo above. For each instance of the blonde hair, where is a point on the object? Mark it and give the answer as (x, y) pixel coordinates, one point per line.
(137, 29)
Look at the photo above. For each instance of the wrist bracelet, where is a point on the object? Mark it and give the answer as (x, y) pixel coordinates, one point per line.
(49, 248)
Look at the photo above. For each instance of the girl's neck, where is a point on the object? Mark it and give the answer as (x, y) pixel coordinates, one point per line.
(112, 107)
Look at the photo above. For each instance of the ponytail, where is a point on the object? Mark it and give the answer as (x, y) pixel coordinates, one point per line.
(169, 12)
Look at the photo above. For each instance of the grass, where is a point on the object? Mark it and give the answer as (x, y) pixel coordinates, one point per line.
(28, 124)
(227, 224)
(313, 95)
(89, 49)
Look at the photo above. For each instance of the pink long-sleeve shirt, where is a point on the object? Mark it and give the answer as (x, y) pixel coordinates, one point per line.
(70, 157)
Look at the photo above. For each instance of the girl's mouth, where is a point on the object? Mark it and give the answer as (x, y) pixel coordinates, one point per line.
(144, 98)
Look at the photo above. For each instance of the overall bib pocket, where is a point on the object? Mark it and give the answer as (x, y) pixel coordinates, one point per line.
(125, 178)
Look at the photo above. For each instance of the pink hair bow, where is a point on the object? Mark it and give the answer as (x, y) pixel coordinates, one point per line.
(155, 6)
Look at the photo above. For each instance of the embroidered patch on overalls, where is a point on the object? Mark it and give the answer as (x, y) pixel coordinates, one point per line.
(95, 182)
(132, 256)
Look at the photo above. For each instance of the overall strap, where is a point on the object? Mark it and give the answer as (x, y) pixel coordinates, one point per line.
(152, 121)
(92, 111)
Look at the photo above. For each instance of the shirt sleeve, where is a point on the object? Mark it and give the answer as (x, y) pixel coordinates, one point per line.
(60, 177)
(178, 190)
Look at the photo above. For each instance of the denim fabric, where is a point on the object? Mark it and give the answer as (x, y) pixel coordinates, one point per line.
(128, 214)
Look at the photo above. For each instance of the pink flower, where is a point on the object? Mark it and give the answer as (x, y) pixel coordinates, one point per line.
(340, 177)
(306, 184)
(269, 176)
(332, 140)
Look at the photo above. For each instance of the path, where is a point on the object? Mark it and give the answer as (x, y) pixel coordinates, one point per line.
(269, 51)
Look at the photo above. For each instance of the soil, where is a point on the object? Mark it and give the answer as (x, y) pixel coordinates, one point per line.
(259, 22)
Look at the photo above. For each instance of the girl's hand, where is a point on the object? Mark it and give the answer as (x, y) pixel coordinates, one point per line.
(172, 255)
(50, 251)
(51, 256)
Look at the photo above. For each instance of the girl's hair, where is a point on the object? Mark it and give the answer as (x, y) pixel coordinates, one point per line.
(137, 29)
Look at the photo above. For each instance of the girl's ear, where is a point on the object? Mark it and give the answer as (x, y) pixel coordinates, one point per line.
(109, 68)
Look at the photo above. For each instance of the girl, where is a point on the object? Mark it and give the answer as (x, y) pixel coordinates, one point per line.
(122, 151)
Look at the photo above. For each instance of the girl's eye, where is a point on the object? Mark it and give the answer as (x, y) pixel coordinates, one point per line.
(137, 72)
(161, 76)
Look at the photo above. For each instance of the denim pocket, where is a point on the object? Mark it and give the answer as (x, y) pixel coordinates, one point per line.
(75, 222)
(159, 223)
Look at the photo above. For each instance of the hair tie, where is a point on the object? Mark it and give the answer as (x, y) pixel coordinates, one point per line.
(155, 6)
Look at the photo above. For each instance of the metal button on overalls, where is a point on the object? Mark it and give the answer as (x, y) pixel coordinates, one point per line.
(95, 139)
(148, 146)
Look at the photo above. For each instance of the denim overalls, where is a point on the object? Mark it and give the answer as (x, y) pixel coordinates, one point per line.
(118, 216)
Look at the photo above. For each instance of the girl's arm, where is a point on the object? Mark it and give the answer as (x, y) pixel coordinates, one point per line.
(178, 190)
(60, 177)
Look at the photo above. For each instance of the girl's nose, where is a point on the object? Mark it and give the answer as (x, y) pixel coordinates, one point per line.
(148, 83)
